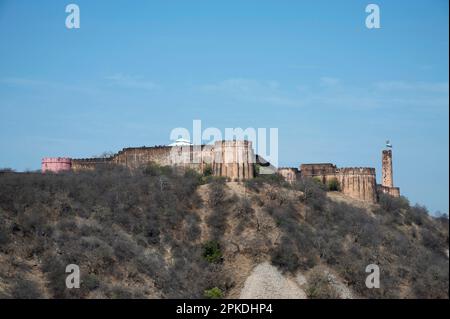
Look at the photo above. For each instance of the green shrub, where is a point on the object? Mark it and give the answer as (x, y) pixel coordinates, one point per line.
(90, 282)
(207, 171)
(213, 293)
(212, 252)
(256, 183)
(333, 185)
(318, 180)
(191, 174)
(154, 169)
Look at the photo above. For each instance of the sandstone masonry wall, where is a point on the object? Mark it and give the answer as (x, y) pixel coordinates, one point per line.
(393, 191)
(232, 159)
(318, 170)
(289, 173)
(89, 163)
(235, 160)
(56, 164)
(355, 182)
(359, 183)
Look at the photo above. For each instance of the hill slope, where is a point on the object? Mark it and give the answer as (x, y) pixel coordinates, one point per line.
(154, 234)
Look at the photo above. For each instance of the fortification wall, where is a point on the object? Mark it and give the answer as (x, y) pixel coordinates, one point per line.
(317, 170)
(195, 157)
(288, 173)
(89, 163)
(355, 182)
(393, 191)
(233, 159)
(134, 157)
(56, 164)
(358, 183)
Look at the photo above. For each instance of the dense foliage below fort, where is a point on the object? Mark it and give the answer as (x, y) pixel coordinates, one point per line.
(151, 233)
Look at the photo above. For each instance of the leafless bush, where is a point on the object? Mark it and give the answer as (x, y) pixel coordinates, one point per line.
(319, 286)
(216, 193)
(25, 289)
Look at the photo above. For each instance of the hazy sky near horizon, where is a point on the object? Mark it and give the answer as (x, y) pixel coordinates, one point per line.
(137, 69)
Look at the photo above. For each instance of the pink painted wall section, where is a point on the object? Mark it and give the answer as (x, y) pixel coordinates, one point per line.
(56, 164)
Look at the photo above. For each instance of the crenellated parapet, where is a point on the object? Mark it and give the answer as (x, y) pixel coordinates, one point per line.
(355, 182)
(232, 159)
(317, 169)
(356, 170)
(393, 191)
(56, 164)
(236, 160)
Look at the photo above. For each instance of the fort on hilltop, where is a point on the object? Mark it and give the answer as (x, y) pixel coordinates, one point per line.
(232, 159)
(356, 182)
(236, 160)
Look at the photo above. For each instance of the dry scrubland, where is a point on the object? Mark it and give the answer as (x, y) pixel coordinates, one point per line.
(155, 234)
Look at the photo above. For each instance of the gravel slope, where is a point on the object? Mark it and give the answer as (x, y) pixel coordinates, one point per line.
(266, 281)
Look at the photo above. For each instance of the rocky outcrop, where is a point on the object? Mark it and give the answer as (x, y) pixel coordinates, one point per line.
(267, 282)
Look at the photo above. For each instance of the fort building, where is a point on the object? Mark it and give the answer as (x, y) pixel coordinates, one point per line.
(232, 159)
(355, 182)
(236, 160)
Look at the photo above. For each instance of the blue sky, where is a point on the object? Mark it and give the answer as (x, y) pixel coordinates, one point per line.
(137, 69)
